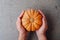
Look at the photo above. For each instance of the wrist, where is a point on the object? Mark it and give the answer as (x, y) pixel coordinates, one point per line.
(22, 37)
(39, 35)
(42, 37)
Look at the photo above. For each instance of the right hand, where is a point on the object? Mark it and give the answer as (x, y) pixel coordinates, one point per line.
(44, 26)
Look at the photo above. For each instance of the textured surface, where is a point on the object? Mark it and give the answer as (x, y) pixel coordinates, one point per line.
(10, 10)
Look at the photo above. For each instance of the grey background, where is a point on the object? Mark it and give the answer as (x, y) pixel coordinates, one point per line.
(10, 10)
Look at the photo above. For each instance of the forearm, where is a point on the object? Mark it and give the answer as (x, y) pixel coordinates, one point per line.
(22, 37)
(42, 37)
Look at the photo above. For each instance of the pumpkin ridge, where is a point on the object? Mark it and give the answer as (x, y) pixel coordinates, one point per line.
(25, 19)
(26, 23)
(35, 15)
(36, 27)
(29, 26)
(26, 26)
(38, 21)
(37, 24)
(38, 16)
(32, 28)
(32, 11)
(28, 14)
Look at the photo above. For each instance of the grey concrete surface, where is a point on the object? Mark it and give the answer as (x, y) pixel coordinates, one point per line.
(10, 10)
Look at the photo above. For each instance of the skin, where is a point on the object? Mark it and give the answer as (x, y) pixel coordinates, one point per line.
(41, 33)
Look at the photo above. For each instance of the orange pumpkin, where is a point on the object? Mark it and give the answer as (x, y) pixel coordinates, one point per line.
(32, 20)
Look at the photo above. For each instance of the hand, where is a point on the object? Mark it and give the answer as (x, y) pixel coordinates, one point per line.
(44, 26)
(22, 31)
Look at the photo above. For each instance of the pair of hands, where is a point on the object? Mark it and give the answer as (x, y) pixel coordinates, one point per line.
(39, 32)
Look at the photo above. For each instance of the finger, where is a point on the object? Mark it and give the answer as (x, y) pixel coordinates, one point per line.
(18, 22)
(21, 26)
(41, 13)
(21, 14)
(44, 17)
(44, 25)
(44, 21)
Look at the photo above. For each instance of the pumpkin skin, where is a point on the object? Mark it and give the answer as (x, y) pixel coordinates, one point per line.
(32, 20)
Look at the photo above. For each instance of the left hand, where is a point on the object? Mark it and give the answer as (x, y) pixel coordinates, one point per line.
(20, 28)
